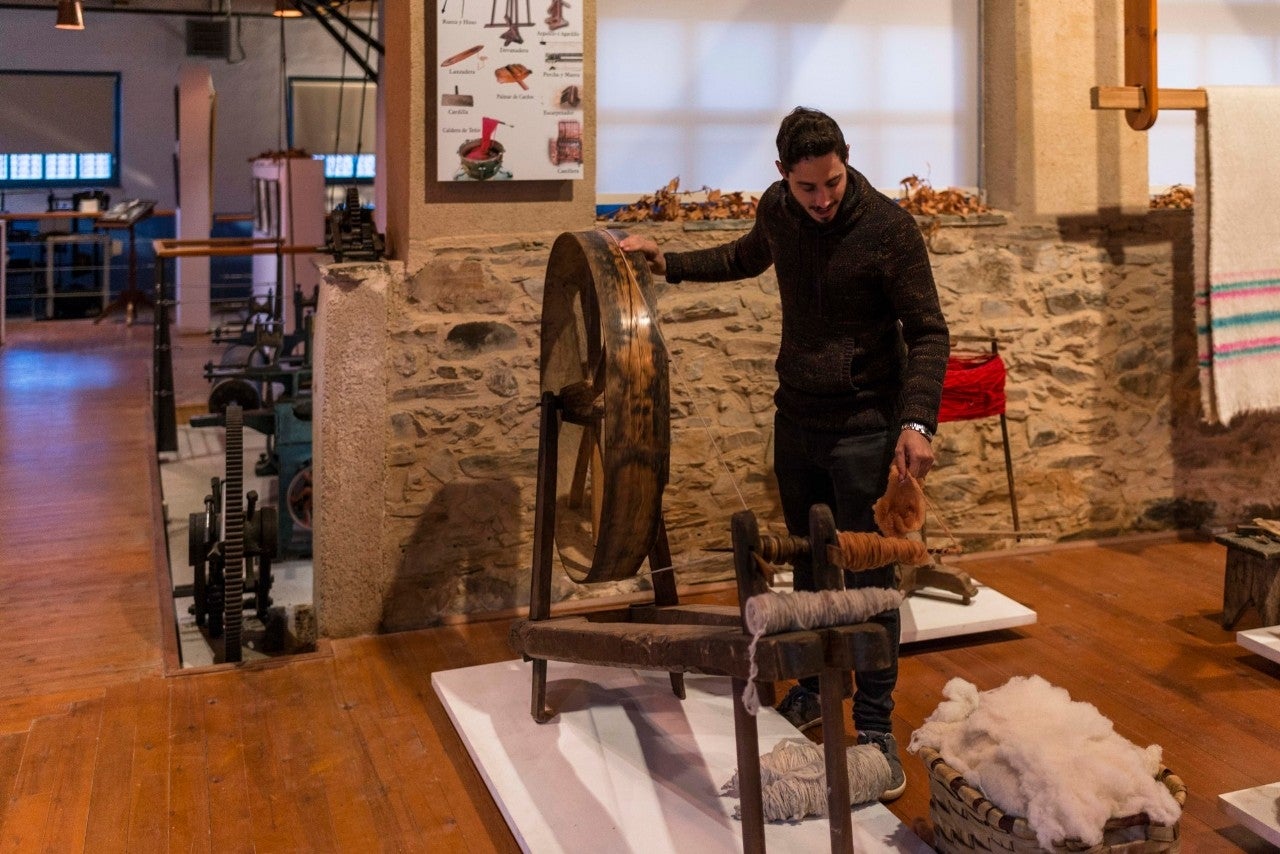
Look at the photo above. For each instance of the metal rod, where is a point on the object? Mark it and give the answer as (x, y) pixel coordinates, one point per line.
(1008, 456)
(342, 42)
(4, 278)
(327, 11)
(125, 10)
(166, 422)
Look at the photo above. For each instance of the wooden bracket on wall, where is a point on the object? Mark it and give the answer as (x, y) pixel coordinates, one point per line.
(1141, 97)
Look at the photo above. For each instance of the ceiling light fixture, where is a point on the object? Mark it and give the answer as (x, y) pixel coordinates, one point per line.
(70, 15)
(286, 9)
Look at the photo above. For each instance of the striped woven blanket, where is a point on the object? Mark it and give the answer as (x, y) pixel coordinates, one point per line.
(1237, 252)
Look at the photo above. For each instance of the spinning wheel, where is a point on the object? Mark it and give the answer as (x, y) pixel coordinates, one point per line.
(603, 358)
(603, 457)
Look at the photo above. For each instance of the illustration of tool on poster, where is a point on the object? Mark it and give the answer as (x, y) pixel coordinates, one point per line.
(510, 91)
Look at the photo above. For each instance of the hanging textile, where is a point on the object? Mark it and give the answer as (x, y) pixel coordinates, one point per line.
(1237, 259)
(973, 387)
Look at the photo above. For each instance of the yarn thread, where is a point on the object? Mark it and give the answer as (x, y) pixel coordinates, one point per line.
(770, 613)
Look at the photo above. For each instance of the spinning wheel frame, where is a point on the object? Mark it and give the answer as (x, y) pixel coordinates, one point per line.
(604, 360)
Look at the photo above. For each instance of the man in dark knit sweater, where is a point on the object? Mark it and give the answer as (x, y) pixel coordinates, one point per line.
(863, 352)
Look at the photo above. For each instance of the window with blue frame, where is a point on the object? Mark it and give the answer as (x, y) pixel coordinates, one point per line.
(348, 167)
(335, 119)
(59, 129)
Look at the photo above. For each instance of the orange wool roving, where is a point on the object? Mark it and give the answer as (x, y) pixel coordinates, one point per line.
(901, 509)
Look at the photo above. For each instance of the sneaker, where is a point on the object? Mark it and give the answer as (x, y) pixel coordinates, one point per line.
(801, 708)
(888, 745)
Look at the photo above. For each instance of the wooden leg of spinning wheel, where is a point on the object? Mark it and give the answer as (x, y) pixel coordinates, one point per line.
(544, 526)
(539, 705)
(664, 586)
(831, 698)
(750, 798)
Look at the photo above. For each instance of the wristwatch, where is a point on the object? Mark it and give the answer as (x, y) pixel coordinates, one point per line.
(919, 428)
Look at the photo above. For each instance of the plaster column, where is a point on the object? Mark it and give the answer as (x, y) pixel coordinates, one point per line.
(1046, 153)
(195, 207)
(349, 447)
(355, 552)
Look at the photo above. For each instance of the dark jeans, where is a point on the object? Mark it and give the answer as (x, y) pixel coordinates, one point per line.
(848, 473)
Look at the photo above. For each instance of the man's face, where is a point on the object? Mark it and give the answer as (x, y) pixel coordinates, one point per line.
(818, 184)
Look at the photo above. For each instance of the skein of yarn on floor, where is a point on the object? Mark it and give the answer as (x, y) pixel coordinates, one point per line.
(793, 779)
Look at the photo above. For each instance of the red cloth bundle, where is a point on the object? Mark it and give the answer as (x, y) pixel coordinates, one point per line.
(973, 387)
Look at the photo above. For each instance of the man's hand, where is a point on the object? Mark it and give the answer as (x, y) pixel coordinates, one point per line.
(913, 454)
(647, 245)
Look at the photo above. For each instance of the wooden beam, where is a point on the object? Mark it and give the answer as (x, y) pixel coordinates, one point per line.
(1141, 97)
(226, 246)
(1140, 66)
(1131, 98)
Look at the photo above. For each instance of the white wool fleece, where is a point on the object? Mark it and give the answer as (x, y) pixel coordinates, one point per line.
(1036, 753)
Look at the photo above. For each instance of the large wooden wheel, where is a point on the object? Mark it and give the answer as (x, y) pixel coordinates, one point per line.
(603, 358)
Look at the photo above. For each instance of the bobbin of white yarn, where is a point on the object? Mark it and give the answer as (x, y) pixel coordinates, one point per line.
(770, 613)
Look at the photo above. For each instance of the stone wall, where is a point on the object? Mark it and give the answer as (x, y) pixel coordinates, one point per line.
(1093, 317)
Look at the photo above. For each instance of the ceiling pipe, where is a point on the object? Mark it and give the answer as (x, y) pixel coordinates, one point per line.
(321, 15)
(320, 9)
(124, 10)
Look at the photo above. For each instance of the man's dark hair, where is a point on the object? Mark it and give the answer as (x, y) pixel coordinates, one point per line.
(808, 133)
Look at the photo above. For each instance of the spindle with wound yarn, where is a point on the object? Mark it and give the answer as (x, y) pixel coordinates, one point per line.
(770, 613)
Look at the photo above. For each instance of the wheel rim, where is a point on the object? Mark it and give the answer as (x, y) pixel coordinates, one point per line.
(603, 356)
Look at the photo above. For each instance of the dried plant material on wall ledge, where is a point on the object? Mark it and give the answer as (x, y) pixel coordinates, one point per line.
(1179, 197)
(666, 205)
(670, 204)
(920, 198)
(281, 154)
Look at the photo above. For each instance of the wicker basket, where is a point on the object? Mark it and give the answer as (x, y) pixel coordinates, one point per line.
(964, 820)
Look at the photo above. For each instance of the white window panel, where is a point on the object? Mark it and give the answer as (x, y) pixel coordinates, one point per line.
(1208, 43)
(696, 90)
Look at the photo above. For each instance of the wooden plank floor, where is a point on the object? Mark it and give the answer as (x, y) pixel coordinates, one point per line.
(105, 747)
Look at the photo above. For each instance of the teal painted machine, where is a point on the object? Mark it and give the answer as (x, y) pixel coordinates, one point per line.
(293, 459)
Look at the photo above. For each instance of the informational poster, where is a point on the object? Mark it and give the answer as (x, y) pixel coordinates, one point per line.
(510, 90)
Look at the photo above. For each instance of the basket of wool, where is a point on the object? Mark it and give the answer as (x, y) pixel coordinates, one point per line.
(1024, 768)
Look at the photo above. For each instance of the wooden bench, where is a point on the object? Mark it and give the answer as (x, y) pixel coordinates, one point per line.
(1252, 578)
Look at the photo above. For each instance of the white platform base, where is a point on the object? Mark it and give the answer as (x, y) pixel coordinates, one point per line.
(1257, 809)
(929, 615)
(1265, 642)
(625, 766)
